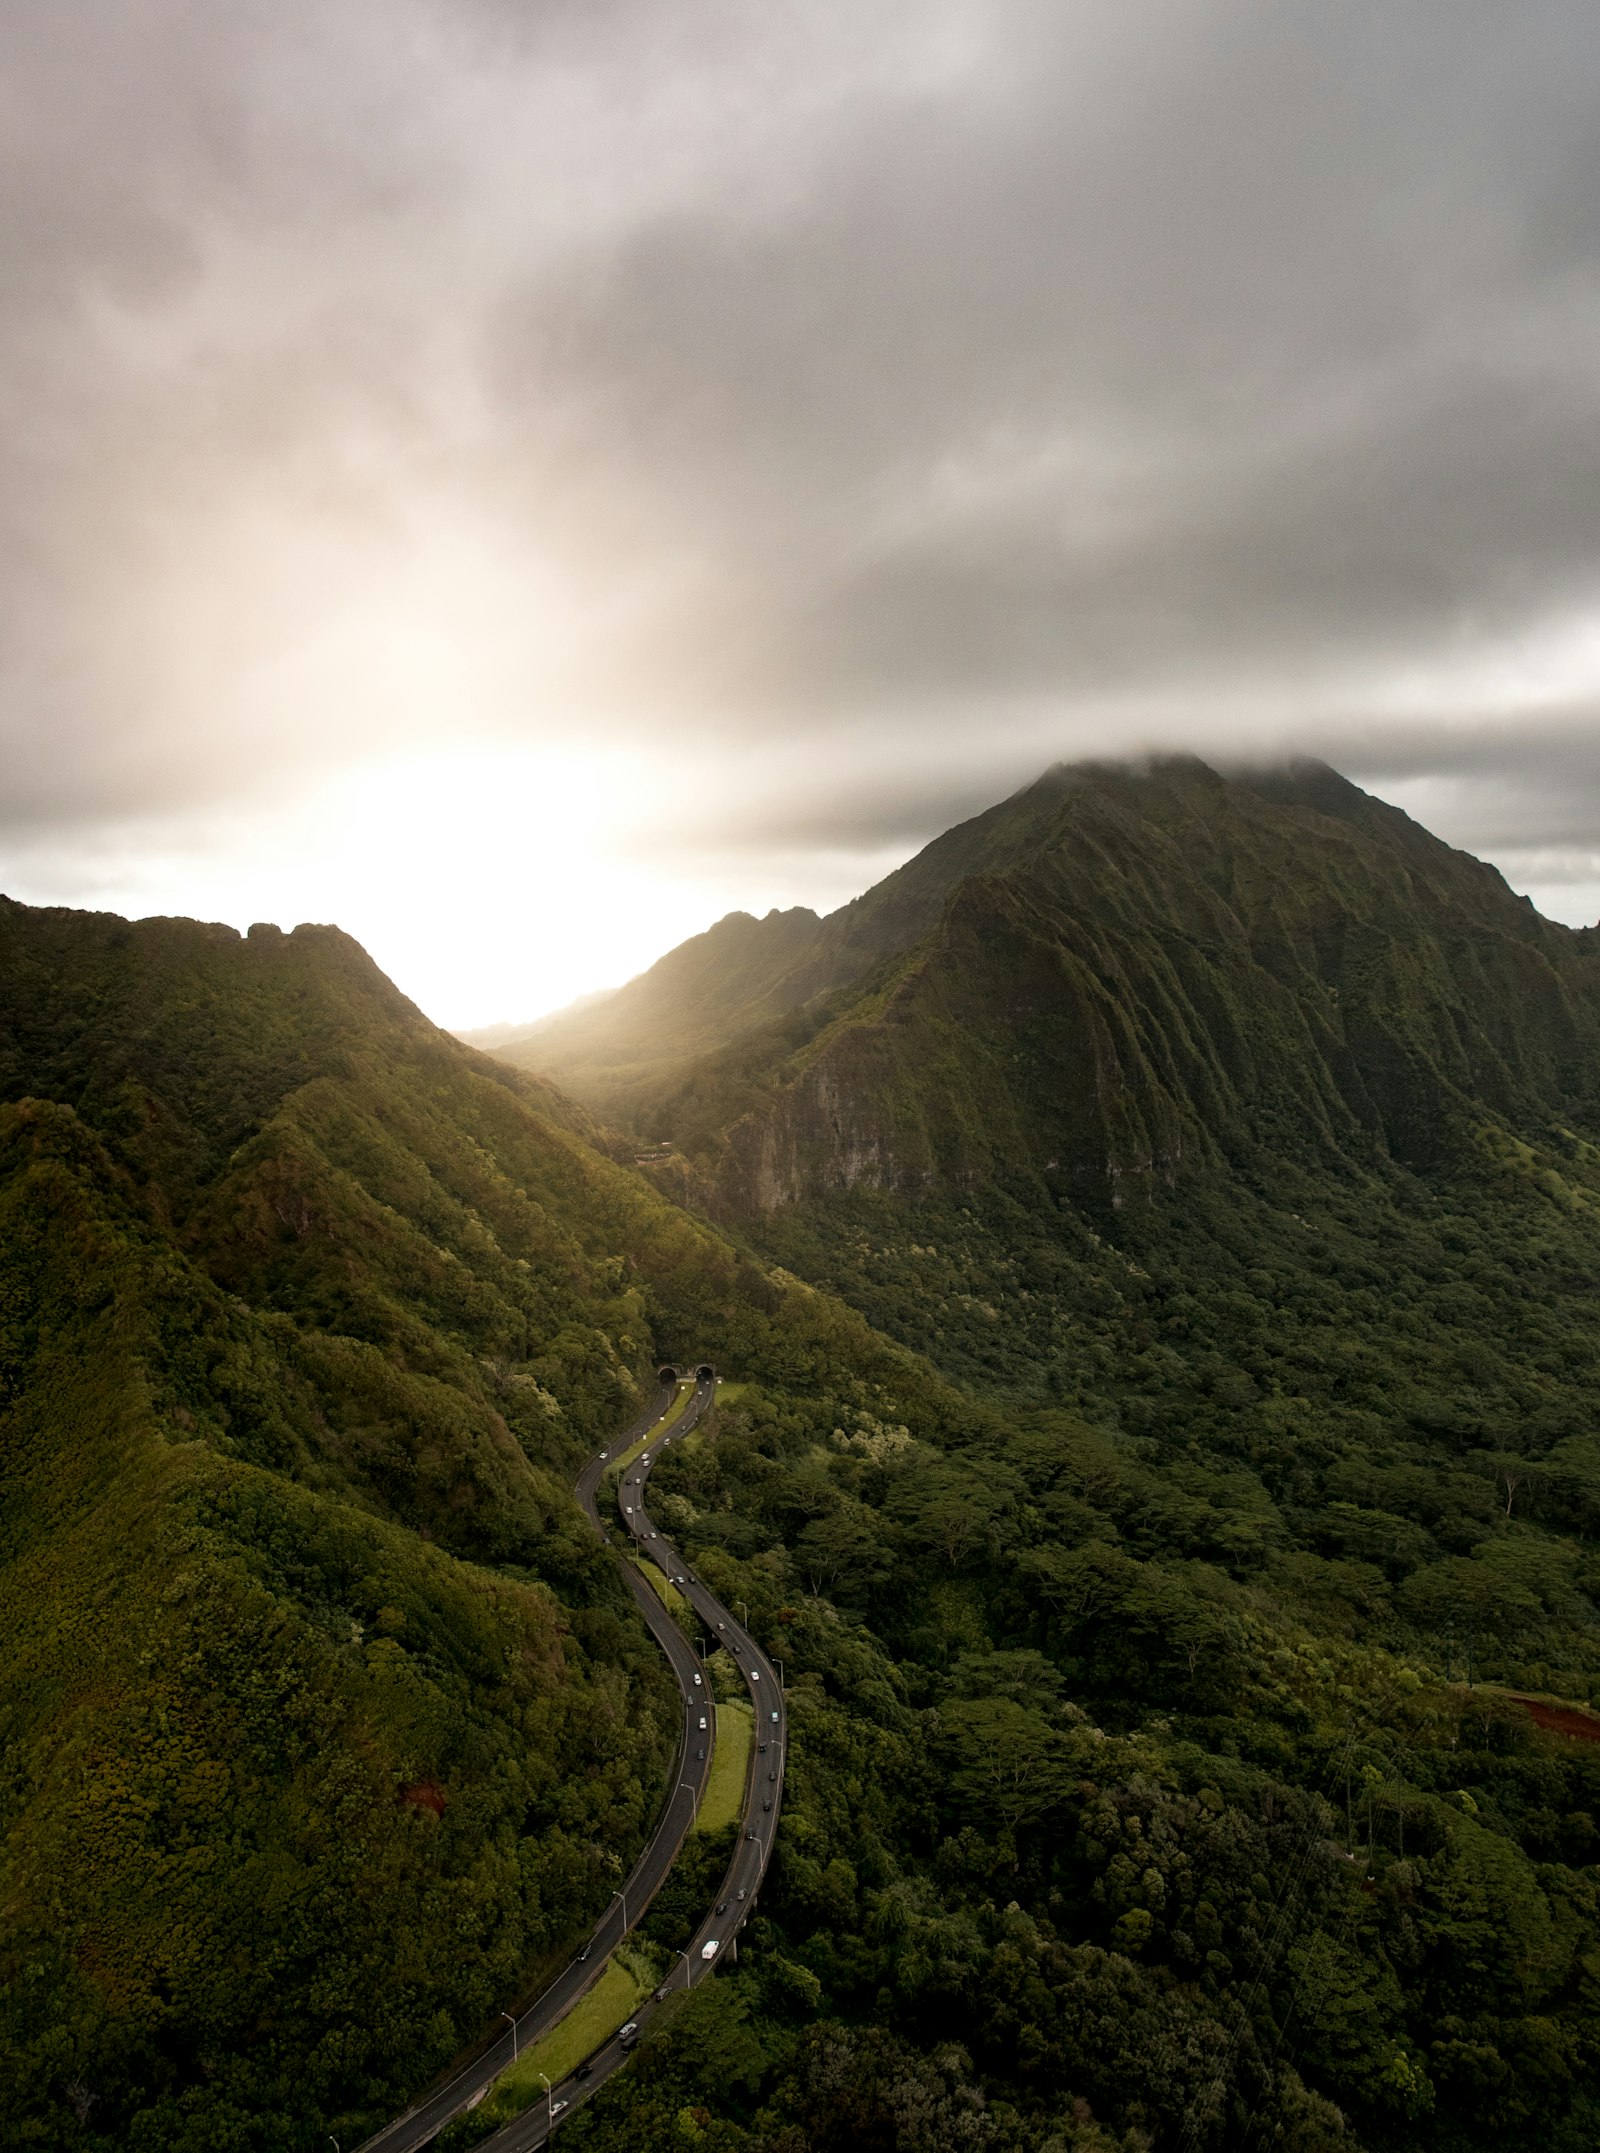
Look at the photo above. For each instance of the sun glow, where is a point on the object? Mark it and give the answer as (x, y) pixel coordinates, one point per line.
(487, 881)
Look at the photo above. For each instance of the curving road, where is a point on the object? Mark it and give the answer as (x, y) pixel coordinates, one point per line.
(763, 1798)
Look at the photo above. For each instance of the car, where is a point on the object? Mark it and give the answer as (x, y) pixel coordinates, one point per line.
(556, 2107)
(710, 1948)
(630, 2032)
(750, 1834)
(661, 1993)
(646, 1459)
(702, 1723)
(583, 2070)
(762, 1747)
(722, 1625)
(766, 1801)
(741, 1893)
(773, 1773)
(605, 1453)
(774, 1715)
(722, 1906)
(700, 1755)
(755, 1674)
(584, 1953)
(697, 1686)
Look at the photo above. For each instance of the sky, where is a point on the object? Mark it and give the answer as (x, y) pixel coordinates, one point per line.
(521, 478)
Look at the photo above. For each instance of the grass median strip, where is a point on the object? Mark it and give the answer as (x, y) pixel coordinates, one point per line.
(625, 1458)
(606, 2006)
(666, 1592)
(730, 1760)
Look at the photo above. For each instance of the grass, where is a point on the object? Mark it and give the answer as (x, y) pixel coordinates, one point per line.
(625, 1458)
(595, 2015)
(667, 1592)
(730, 1761)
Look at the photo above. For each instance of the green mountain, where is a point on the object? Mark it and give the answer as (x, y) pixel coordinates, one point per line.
(1153, 1241)
(1206, 1728)
(699, 996)
(1121, 979)
(622, 1050)
(325, 1722)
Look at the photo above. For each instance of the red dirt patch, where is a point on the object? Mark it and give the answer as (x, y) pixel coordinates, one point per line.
(425, 1795)
(1567, 1719)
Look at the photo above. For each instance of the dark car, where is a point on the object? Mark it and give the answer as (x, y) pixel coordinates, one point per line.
(773, 1773)
(700, 1753)
(722, 1906)
(750, 1834)
(583, 2070)
(584, 1953)
(762, 1747)
(767, 1804)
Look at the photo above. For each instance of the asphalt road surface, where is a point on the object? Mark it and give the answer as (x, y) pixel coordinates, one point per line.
(423, 2122)
(757, 1826)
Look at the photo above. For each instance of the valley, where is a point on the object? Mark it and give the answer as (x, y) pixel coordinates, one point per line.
(1150, 1245)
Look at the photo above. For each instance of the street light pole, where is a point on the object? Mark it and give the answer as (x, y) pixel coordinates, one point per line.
(623, 1896)
(511, 2022)
(549, 2099)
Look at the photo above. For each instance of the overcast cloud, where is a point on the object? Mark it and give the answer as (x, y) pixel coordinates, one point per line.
(809, 418)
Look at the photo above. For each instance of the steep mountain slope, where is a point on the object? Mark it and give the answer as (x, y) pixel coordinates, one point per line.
(1158, 1648)
(306, 1314)
(1199, 1749)
(711, 987)
(745, 972)
(1153, 974)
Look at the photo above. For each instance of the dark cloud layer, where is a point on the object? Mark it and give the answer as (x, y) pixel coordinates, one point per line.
(875, 404)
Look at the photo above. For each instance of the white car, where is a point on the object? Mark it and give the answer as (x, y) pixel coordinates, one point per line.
(710, 1948)
(702, 1722)
(755, 1674)
(697, 1682)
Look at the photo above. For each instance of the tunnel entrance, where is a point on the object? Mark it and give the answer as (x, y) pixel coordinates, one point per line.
(668, 1374)
(705, 1371)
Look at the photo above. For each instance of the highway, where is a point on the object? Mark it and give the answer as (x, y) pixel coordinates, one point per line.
(763, 1800)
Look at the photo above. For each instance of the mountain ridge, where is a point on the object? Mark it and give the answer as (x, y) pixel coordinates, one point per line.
(307, 1314)
(1294, 954)
(1158, 1453)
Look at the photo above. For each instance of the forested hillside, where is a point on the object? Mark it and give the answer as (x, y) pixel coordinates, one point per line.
(325, 1723)
(1206, 1732)
(1161, 1445)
